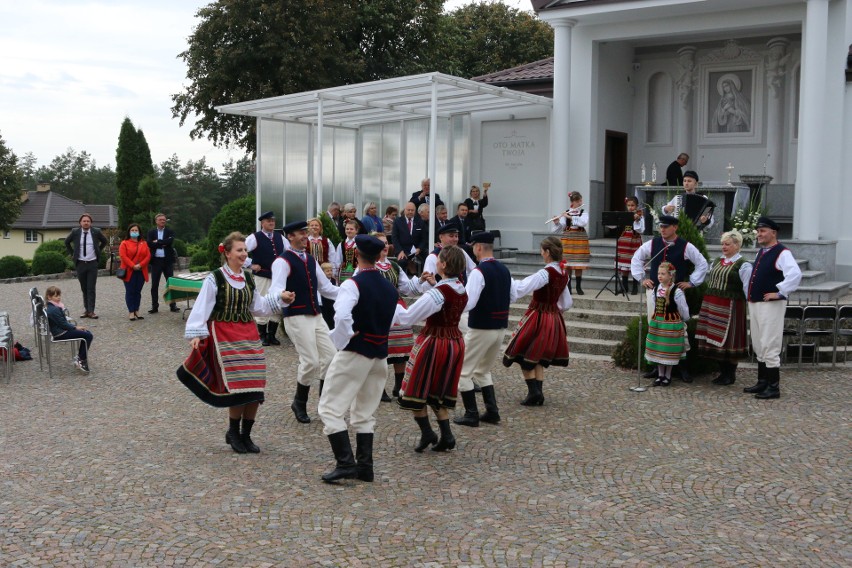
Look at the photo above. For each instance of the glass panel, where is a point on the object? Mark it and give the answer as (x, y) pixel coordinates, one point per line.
(417, 140)
(371, 177)
(461, 145)
(344, 166)
(390, 167)
(270, 162)
(296, 168)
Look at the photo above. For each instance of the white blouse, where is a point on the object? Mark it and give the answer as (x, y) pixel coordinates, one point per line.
(537, 281)
(429, 303)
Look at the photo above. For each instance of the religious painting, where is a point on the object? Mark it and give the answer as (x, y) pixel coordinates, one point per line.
(731, 98)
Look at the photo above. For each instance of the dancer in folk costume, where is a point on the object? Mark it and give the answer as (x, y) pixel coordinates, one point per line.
(227, 367)
(365, 310)
(448, 236)
(721, 331)
(666, 343)
(539, 340)
(401, 337)
(346, 252)
(265, 246)
(629, 242)
(432, 373)
(575, 239)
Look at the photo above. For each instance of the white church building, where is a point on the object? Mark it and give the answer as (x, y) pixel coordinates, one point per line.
(745, 87)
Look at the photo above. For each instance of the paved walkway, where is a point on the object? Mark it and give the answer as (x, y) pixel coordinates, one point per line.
(124, 467)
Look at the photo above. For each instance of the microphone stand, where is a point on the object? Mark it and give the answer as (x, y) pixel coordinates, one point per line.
(639, 387)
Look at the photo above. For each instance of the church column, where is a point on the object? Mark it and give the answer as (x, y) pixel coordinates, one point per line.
(685, 85)
(559, 118)
(776, 68)
(806, 219)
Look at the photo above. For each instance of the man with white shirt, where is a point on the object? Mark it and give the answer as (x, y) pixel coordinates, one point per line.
(364, 311)
(297, 271)
(265, 246)
(488, 288)
(775, 276)
(448, 236)
(690, 184)
(668, 247)
(160, 241)
(406, 236)
(84, 245)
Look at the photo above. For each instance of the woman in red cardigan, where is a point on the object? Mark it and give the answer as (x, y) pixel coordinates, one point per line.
(135, 257)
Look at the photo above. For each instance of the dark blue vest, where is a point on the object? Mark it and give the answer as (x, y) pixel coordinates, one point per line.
(492, 309)
(765, 277)
(265, 253)
(676, 254)
(372, 315)
(302, 281)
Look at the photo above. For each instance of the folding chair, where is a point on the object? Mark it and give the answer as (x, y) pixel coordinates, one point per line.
(815, 320)
(7, 344)
(842, 329)
(792, 330)
(48, 340)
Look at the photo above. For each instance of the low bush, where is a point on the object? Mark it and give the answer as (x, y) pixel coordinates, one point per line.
(180, 247)
(57, 245)
(49, 262)
(12, 267)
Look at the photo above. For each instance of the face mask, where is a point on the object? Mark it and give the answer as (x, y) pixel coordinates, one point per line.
(134, 234)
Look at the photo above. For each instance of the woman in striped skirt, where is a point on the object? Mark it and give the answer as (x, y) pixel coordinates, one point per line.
(227, 367)
(433, 370)
(721, 331)
(575, 239)
(539, 340)
(666, 343)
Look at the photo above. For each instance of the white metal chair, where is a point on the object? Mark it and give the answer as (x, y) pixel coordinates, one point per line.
(7, 344)
(47, 339)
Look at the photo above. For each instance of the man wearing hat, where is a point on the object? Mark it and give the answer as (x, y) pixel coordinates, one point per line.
(668, 247)
(297, 271)
(489, 288)
(774, 277)
(355, 380)
(690, 183)
(265, 246)
(448, 235)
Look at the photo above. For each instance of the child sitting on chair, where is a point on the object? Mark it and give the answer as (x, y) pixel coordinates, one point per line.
(62, 329)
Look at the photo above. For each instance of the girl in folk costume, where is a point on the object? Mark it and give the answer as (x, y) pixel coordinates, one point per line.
(629, 242)
(539, 340)
(346, 253)
(721, 331)
(433, 370)
(666, 343)
(319, 246)
(227, 367)
(575, 240)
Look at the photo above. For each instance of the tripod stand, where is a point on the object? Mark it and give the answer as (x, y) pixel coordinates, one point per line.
(619, 285)
(618, 219)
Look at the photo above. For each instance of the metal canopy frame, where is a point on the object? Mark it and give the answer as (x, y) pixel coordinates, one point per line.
(429, 95)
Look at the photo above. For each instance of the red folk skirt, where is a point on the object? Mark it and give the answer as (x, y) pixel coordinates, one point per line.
(539, 339)
(433, 369)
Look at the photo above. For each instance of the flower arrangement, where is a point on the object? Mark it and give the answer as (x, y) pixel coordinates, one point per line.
(744, 221)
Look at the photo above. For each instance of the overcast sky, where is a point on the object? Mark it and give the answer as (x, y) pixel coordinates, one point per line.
(71, 70)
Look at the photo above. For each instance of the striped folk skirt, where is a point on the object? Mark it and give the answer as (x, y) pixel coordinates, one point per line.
(628, 243)
(432, 372)
(539, 339)
(575, 248)
(721, 331)
(228, 368)
(666, 341)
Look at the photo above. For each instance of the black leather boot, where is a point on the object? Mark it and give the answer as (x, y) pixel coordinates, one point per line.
(385, 397)
(427, 435)
(634, 290)
(684, 372)
(650, 373)
(261, 330)
(471, 412)
(448, 441)
(580, 286)
(300, 403)
(364, 456)
(534, 396)
(271, 331)
(762, 381)
(773, 388)
(491, 414)
(342, 448)
(723, 374)
(397, 383)
(624, 282)
(232, 437)
(245, 436)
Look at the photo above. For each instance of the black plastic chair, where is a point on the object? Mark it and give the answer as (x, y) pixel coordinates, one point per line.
(498, 244)
(842, 328)
(817, 323)
(792, 330)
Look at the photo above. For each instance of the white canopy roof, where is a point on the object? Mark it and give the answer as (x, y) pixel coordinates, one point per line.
(387, 100)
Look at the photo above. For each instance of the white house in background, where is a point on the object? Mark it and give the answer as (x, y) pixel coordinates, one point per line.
(47, 216)
(757, 84)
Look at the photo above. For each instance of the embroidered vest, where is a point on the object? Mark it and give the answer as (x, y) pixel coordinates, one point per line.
(232, 305)
(372, 315)
(724, 281)
(669, 313)
(266, 252)
(765, 277)
(303, 281)
(492, 309)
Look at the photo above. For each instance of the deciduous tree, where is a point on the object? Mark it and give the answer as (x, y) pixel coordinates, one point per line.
(10, 187)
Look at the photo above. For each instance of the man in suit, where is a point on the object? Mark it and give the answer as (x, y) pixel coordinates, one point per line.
(441, 217)
(336, 217)
(406, 236)
(462, 223)
(160, 240)
(84, 244)
(418, 198)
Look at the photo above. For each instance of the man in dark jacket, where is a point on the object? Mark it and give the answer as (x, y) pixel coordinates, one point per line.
(160, 240)
(84, 244)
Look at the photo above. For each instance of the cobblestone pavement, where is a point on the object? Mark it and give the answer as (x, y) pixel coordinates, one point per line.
(124, 467)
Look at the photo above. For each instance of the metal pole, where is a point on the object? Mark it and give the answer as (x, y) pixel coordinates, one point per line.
(433, 160)
(319, 160)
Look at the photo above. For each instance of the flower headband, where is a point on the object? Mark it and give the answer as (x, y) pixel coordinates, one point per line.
(221, 248)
